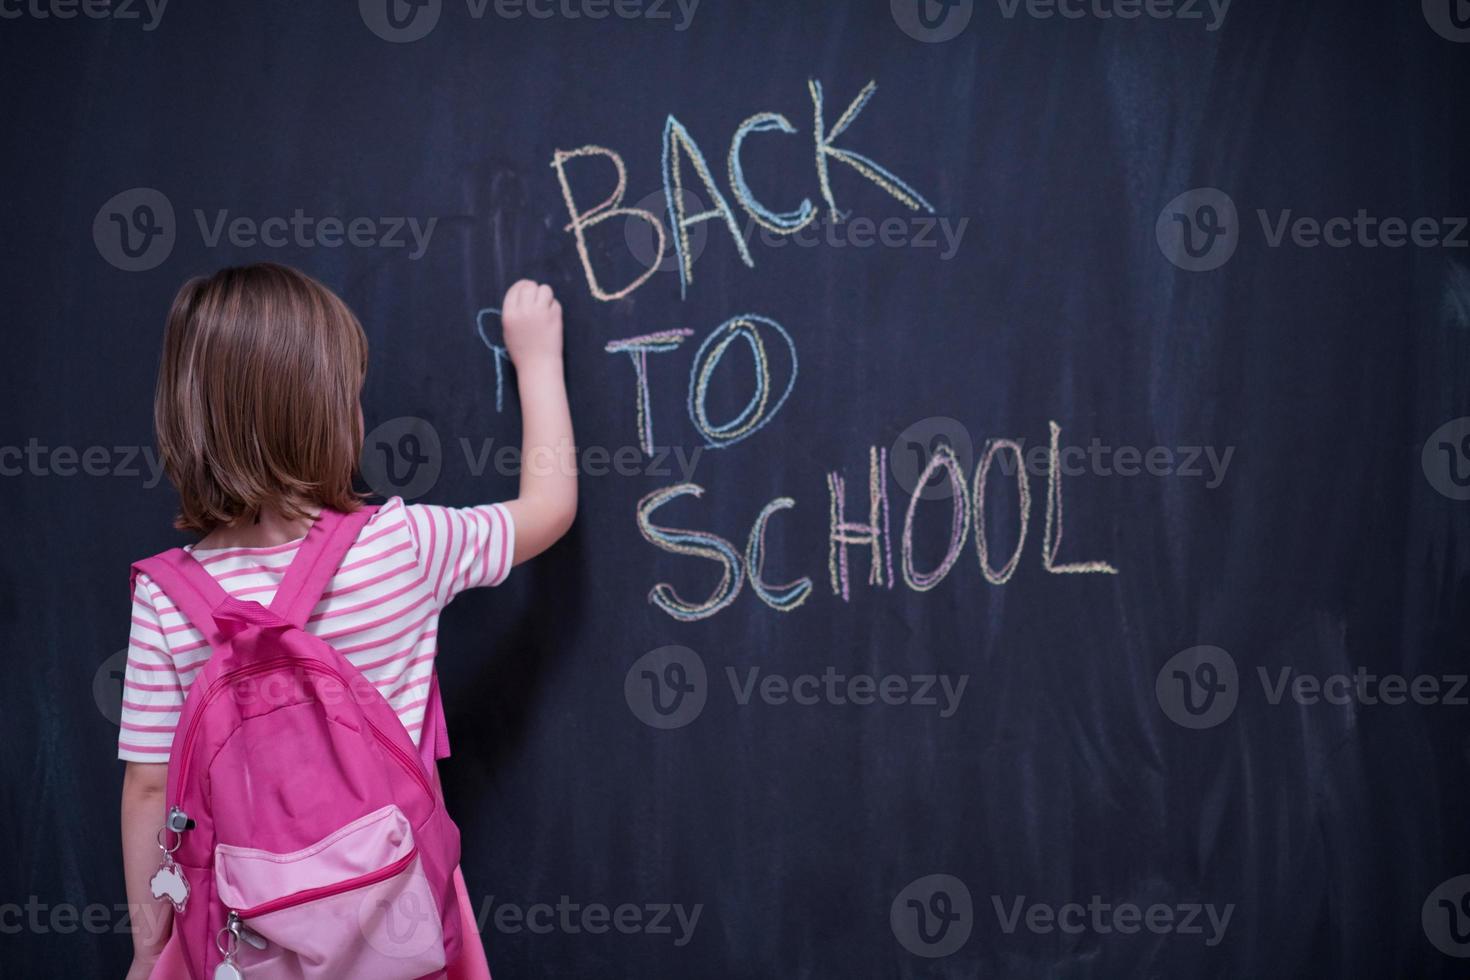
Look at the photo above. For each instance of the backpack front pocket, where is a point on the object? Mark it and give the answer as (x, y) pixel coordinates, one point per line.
(354, 904)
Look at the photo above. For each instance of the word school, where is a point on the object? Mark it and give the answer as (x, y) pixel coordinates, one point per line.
(874, 535)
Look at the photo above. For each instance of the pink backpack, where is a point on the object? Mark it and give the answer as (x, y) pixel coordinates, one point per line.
(306, 836)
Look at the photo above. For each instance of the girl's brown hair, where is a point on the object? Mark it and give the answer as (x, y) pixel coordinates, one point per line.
(257, 406)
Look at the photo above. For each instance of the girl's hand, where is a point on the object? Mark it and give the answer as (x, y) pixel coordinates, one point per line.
(531, 318)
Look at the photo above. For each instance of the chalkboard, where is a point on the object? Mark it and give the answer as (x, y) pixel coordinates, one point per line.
(1023, 511)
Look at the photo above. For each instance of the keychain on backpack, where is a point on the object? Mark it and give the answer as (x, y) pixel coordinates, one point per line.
(236, 931)
(168, 881)
(227, 941)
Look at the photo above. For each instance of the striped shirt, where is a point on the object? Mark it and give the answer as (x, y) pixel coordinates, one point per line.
(380, 611)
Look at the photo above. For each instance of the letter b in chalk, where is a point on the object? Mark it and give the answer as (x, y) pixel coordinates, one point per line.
(609, 208)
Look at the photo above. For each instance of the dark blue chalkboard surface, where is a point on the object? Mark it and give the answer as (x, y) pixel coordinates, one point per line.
(1025, 451)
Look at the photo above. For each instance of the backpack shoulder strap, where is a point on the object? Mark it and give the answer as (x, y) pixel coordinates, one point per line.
(317, 559)
(188, 585)
(434, 736)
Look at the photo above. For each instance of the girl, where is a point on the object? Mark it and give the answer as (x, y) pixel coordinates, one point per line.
(260, 428)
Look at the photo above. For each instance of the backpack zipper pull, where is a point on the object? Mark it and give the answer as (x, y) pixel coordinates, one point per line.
(178, 820)
(237, 925)
(227, 941)
(246, 933)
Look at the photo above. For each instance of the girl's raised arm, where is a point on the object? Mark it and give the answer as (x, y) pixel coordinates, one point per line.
(547, 503)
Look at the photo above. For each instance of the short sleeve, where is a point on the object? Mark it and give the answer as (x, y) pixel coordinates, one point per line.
(153, 695)
(462, 548)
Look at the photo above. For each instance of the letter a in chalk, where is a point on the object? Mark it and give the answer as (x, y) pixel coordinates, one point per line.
(911, 198)
(610, 208)
(677, 143)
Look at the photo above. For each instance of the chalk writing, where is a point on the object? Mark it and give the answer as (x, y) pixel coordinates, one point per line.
(873, 534)
(501, 355)
(967, 503)
(638, 349)
(610, 208)
(697, 544)
(1023, 487)
(755, 414)
(783, 597)
(944, 459)
(676, 139)
(679, 148)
